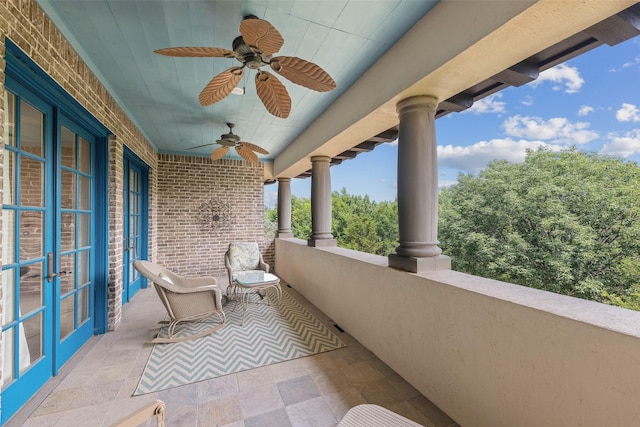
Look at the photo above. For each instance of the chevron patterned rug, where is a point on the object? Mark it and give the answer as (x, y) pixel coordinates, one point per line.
(273, 333)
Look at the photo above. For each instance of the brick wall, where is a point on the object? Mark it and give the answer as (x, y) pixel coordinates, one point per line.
(179, 186)
(204, 205)
(27, 26)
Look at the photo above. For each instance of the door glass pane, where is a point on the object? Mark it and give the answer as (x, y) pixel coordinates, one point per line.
(67, 278)
(84, 267)
(32, 348)
(31, 235)
(67, 316)
(8, 362)
(84, 193)
(10, 119)
(84, 230)
(68, 231)
(8, 236)
(84, 148)
(68, 154)
(83, 305)
(68, 187)
(8, 293)
(9, 178)
(31, 129)
(31, 292)
(31, 182)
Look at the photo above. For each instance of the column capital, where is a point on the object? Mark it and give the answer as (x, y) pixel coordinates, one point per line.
(421, 102)
(284, 179)
(320, 159)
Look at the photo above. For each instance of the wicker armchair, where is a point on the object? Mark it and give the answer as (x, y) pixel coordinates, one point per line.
(243, 257)
(187, 299)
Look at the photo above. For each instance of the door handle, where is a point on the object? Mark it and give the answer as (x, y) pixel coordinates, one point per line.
(50, 267)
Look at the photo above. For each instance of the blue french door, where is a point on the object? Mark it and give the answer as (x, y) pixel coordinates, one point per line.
(135, 222)
(48, 252)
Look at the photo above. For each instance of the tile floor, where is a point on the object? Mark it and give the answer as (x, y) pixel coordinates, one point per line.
(95, 388)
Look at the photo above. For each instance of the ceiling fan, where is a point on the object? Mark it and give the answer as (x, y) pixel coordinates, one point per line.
(228, 140)
(254, 49)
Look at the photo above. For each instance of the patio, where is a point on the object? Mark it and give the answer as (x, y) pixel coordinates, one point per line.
(312, 391)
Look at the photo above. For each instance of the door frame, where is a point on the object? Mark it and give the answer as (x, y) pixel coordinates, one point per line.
(22, 71)
(130, 158)
(26, 72)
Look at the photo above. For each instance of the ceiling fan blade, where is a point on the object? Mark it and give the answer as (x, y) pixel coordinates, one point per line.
(255, 147)
(219, 153)
(261, 34)
(200, 146)
(303, 72)
(221, 86)
(197, 52)
(246, 153)
(273, 94)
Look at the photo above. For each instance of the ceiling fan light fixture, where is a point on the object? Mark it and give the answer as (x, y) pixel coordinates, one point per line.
(238, 90)
(254, 49)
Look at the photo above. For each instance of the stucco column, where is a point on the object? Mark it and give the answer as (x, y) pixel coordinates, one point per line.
(321, 202)
(418, 188)
(284, 208)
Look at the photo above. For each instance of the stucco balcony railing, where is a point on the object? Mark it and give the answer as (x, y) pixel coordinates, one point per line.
(487, 353)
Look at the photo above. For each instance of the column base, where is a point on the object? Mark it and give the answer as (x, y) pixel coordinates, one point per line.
(322, 243)
(285, 235)
(420, 265)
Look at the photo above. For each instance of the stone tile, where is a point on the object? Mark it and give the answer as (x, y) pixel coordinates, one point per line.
(179, 397)
(387, 390)
(48, 420)
(437, 417)
(331, 382)
(78, 397)
(260, 400)
(128, 387)
(254, 378)
(218, 387)
(287, 370)
(381, 367)
(409, 411)
(219, 411)
(311, 413)
(78, 417)
(361, 372)
(181, 416)
(340, 402)
(323, 362)
(277, 418)
(297, 390)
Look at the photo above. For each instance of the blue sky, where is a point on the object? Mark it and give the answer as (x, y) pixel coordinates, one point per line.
(591, 102)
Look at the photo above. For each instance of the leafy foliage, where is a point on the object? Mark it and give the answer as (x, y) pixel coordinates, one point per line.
(567, 222)
(358, 222)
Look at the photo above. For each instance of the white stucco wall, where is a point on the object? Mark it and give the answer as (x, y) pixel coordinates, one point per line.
(487, 353)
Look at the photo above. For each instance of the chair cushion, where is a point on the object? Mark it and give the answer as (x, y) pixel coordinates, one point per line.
(244, 256)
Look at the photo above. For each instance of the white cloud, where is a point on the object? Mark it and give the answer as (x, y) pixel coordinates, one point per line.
(528, 101)
(628, 113)
(475, 157)
(564, 77)
(490, 104)
(557, 130)
(624, 145)
(635, 61)
(584, 110)
(446, 183)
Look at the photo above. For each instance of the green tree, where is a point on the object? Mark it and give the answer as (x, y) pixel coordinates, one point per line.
(357, 222)
(568, 222)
